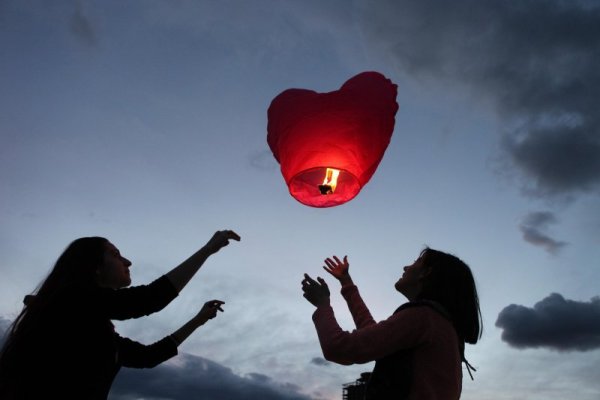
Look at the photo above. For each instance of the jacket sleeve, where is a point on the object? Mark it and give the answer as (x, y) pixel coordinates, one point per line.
(136, 355)
(136, 301)
(405, 329)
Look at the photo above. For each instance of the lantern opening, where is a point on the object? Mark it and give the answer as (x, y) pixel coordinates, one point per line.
(310, 188)
(330, 182)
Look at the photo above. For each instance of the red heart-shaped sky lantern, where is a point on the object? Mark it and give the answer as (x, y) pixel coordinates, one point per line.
(330, 144)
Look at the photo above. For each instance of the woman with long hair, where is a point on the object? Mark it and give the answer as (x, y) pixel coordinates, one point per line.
(418, 351)
(63, 343)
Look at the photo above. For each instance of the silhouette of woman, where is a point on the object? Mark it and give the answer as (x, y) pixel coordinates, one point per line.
(63, 343)
(419, 349)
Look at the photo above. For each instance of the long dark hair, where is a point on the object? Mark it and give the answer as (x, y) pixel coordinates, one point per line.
(77, 265)
(451, 284)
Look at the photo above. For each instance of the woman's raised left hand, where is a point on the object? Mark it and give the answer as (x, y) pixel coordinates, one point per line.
(317, 293)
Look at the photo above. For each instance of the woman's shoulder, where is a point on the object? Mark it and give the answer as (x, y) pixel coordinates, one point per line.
(425, 312)
(78, 296)
(428, 318)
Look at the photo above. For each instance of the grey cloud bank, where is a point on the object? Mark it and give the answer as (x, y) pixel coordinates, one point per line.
(554, 323)
(536, 60)
(193, 377)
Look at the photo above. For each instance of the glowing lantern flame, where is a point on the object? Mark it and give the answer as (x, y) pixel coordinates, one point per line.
(330, 182)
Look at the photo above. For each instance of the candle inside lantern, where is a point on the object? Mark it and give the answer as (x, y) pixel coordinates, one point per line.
(330, 182)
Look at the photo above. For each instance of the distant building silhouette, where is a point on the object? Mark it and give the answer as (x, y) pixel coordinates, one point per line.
(356, 390)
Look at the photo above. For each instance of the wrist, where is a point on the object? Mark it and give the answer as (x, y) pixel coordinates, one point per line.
(207, 250)
(346, 280)
(324, 302)
(199, 320)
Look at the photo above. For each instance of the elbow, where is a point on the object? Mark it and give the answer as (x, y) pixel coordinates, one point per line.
(336, 357)
(142, 364)
(147, 363)
(153, 363)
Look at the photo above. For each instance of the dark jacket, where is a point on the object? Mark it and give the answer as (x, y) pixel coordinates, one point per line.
(74, 351)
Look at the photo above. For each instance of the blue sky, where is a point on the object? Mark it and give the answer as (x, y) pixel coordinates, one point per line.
(145, 122)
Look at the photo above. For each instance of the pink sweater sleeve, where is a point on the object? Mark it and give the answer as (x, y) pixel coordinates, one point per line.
(360, 313)
(371, 340)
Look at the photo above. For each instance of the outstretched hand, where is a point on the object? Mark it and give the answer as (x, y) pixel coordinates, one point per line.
(339, 269)
(221, 239)
(209, 310)
(317, 293)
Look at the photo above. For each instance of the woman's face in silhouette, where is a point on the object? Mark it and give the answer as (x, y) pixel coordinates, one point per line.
(114, 273)
(410, 283)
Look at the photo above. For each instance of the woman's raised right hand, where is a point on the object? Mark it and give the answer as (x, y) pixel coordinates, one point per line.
(221, 239)
(337, 268)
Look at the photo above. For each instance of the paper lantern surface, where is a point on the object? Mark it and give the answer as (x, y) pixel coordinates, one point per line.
(316, 136)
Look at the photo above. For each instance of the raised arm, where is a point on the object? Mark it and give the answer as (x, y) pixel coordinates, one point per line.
(406, 329)
(181, 275)
(341, 271)
(136, 355)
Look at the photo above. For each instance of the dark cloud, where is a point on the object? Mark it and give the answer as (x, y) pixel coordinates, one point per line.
(193, 377)
(554, 323)
(538, 62)
(533, 228)
(320, 361)
(81, 27)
